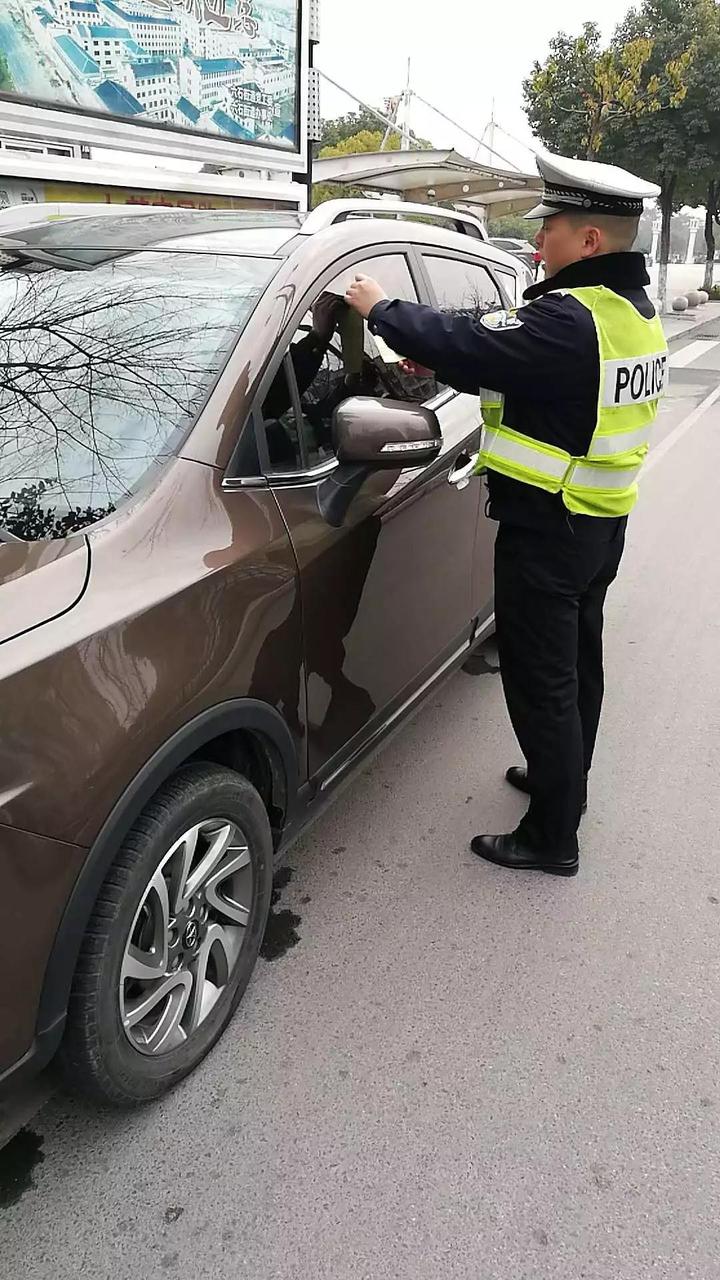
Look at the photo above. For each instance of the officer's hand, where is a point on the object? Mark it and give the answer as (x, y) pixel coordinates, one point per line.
(363, 294)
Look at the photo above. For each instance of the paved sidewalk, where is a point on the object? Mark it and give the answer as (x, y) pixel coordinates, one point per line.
(684, 322)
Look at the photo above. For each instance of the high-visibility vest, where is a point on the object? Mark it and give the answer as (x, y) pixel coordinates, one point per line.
(633, 370)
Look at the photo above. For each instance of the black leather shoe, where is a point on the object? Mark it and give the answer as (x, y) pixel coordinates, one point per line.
(509, 851)
(517, 777)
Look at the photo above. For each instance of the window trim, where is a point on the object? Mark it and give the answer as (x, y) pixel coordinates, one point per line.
(281, 353)
(500, 271)
(296, 402)
(292, 479)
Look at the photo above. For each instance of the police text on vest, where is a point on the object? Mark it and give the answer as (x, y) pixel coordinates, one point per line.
(634, 381)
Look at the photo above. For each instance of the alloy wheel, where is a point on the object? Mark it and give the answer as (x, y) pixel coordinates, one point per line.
(186, 937)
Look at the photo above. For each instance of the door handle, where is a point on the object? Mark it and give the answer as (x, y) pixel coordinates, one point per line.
(460, 476)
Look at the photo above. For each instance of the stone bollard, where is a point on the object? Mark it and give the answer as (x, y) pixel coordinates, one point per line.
(680, 304)
(704, 296)
(693, 298)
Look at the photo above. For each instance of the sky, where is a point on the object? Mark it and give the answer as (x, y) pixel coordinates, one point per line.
(464, 54)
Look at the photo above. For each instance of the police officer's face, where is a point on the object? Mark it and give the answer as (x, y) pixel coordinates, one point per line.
(563, 240)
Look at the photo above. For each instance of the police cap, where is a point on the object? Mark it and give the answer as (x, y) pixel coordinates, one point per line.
(583, 186)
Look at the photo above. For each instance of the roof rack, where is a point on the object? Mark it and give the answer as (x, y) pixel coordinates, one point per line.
(334, 211)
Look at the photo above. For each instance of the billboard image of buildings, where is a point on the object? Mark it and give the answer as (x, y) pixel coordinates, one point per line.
(225, 68)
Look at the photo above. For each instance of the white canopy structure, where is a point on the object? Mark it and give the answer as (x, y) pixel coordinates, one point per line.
(427, 177)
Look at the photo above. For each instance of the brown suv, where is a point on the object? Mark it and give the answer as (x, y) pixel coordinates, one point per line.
(239, 542)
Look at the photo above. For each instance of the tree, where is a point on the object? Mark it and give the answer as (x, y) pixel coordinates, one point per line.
(712, 220)
(368, 140)
(358, 122)
(347, 126)
(581, 90)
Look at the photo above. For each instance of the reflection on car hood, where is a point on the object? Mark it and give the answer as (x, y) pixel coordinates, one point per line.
(40, 581)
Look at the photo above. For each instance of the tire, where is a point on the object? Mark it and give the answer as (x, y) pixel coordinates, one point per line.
(172, 940)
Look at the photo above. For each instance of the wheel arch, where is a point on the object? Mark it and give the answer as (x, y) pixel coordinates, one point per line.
(245, 716)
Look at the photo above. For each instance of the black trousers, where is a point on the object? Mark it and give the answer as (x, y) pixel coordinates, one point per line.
(550, 590)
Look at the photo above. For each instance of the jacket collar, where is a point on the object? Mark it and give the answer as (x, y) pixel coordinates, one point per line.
(618, 271)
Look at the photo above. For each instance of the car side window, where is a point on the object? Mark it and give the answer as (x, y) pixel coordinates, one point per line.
(465, 288)
(332, 356)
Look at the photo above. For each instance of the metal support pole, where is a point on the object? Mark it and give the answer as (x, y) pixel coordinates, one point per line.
(405, 144)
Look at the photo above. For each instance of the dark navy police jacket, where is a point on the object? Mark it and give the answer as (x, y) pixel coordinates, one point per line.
(547, 367)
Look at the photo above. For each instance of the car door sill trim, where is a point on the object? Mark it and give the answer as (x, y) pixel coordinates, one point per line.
(482, 629)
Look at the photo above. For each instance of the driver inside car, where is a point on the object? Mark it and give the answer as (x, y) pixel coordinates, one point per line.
(334, 359)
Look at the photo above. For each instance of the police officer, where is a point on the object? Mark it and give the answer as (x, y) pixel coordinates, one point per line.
(576, 375)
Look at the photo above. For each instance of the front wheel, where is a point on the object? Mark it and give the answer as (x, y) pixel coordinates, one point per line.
(173, 938)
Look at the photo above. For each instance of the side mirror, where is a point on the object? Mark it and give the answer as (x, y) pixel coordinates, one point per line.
(385, 435)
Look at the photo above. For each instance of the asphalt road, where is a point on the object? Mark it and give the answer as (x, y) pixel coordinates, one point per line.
(457, 1071)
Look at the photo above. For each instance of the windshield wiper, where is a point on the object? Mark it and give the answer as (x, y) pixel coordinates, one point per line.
(7, 536)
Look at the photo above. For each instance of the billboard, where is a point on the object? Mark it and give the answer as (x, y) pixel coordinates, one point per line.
(32, 191)
(219, 70)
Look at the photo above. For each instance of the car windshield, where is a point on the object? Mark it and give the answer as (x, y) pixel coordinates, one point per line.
(102, 371)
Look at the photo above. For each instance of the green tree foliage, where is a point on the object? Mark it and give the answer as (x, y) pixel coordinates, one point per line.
(367, 140)
(347, 126)
(512, 225)
(581, 90)
(355, 123)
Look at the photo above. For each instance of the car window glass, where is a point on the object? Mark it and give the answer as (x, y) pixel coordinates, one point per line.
(466, 288)
(282, 436)
(333, 356)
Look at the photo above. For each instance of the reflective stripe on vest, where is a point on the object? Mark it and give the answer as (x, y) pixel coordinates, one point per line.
(522, 454)
(492, 407)
(554, 468)
(615, 443)
(633, 369)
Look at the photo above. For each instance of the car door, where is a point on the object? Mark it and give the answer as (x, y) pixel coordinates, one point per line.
(386, 591)
(460, 284)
